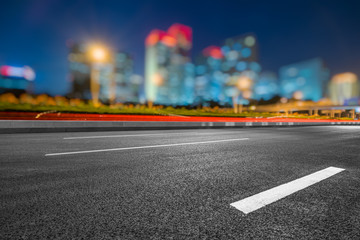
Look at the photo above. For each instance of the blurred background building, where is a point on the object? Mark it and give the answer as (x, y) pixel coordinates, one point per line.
(127, 84)
(210, 79)
(344, 89)
(16, 80)
(266, 86)
(79, 71)
(168, 68)
(226, 75)
(305, 80)
(227, 72)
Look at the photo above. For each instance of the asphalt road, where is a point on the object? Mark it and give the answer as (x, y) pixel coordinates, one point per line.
(155, 185)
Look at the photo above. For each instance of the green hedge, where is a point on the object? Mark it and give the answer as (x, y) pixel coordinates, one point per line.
(142, 110)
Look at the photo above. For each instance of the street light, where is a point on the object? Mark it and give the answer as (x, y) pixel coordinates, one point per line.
(99, 55)
(244, 84)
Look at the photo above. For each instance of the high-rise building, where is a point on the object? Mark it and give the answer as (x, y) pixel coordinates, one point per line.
(266, 86)
(227, 72)
(127, 85)
(344, 88)
(305, 80)
(168, 69)
(79, 72)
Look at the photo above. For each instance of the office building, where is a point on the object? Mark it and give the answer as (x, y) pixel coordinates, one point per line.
(344, 88)
(168, 69)
(125, 85)
(227, 72)
(305, 80)
(265, 86)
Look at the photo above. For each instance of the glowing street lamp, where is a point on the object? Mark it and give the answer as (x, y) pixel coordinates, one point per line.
(243, 84)
(99, 55)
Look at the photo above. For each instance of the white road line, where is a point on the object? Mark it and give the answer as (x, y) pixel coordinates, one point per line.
(262, 199)
(115, 136)
(143, 135)
(153, 146)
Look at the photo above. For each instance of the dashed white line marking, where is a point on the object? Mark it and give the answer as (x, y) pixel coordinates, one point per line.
(267, 197)
(153, 146)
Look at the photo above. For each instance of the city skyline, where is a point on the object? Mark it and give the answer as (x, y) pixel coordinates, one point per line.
(312, 29)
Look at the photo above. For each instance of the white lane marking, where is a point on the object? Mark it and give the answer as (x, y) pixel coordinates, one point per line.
(143, 135)
(262, 199)
(115, 136)
(153, 146)
(348, 127)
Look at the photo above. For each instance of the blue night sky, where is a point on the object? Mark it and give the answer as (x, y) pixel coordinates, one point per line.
(35, 32)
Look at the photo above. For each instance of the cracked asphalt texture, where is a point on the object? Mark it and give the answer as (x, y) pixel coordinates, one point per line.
(179, 192)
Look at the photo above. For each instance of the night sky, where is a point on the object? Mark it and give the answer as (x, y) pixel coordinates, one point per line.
(35, 32)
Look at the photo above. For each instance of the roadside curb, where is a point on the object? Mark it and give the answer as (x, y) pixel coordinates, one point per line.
(43, 126)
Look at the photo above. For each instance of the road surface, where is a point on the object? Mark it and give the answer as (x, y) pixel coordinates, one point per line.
(182, 184)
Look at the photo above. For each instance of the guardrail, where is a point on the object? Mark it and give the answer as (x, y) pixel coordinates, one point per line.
(32, 126)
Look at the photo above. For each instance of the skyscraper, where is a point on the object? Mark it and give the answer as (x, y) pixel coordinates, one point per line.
(79, 71)
(305, 80)
(168, 70)
(220, 70)
(127, 84)
(266, 86)
(210, 79)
